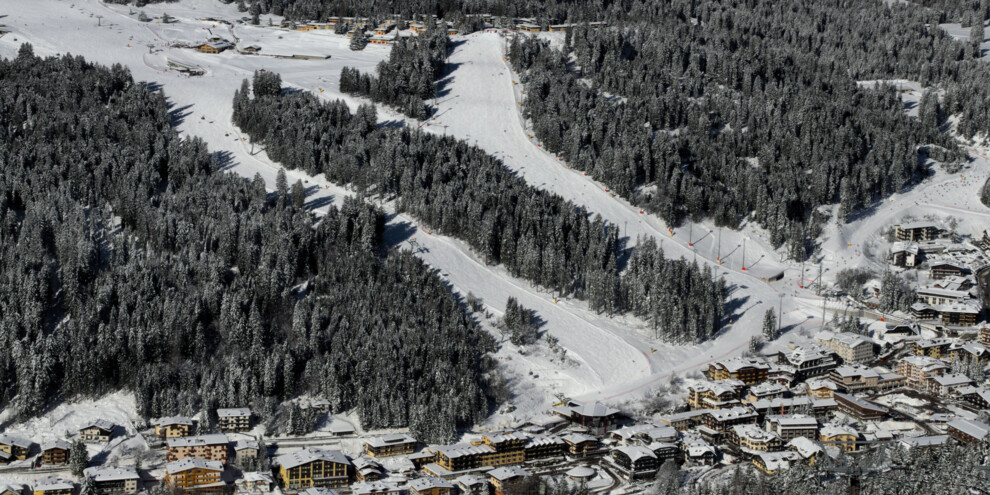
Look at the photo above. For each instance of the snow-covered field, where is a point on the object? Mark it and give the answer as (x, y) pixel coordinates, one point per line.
(610, 359)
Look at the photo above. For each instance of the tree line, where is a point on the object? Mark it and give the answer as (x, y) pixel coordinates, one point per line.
(407, 78)
(753, 112)
(459, 190)
(128, 261)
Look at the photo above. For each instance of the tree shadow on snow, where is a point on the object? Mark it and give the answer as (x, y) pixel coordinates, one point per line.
(397, 233)
(392, 124)
(224, 160)
(177, 115)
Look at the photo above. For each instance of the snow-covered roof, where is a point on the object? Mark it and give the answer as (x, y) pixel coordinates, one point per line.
(855, 371)
(369, 487)
(509, 472)
(594, 410)
(192, 462)
(102, 424)
(831, 430)
(928, 363)
(462, 449)
(735, 364)
(56, 444)
(767, 388)
(860, 403)
(428, 483)
(256, 477)
(851, 339)
(717, 388)
(49, 483)
(732, 413)
(319, 490)
(197, 441)
(246, 444)
(393, 439)
(776, 461)
(635, 452)
(970, 427)
(952, 380)
(804, 354)
(793, 420)
(469, 480)
(173, 420)
(576, 438)
(507, 436)
(661, 433)
(753, 433)
(926, 441)
(581, 472)
(15, 441)
(821, 384)
(917, 225)
(234, 412)
(545, 440)
(309, 455)
(340, 427)
(805, 447)
(11, 487)
(112, 473)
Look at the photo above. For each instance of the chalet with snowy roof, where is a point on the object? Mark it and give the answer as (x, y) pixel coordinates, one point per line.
(313, 467)
(820, 389)
(15, 447)
(944, 267)
(664, 451)
(918, 369)
(712, 395)
(215, 45)
(969, 351)
(12, 489)
(924, 312)
(968, 430)
(806, 448)
(904, 254)
(246, 449)
(852, 348)
(173, 427)
(697, 450)
(635, 461)
(367, 469)
(234, 420)
(721, 420)
(860, 409)
(959, 314)
(851, 378)
(748, 370)
(213, 447)
(50, 485)
(916, 231)
(529, 28)
(389, 445)
(55, 453)
(840, 436)
(685, 420)
(791, 426)
(773, 462)
(936, 296)
(752, 439)
(808, 361)
(544, 447)
(948, 383)
(594, 416)
(936, 348)
(579, 444)
(472, 484)
(766, 390)
(321, 406)
(319, 490)
(505, 479)
(925, 442)
(114, 480)
(254, 483)
(193, 475)
(659, 434)
(99, 430)
(978, 397)
(462, 457)
(429, 485)
(783, 374)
